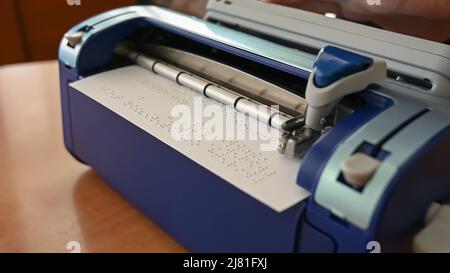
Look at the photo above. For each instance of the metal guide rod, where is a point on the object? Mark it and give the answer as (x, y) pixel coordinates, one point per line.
(257, 110)
(229, 77)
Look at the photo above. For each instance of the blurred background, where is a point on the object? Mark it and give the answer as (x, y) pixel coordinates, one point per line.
(35, 27)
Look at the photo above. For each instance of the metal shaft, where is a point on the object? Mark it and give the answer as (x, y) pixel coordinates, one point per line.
(241, 103)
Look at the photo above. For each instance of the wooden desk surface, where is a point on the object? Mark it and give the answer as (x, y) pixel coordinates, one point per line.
(47, 198)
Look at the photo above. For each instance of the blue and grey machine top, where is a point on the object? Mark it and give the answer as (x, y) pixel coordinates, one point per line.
(366, 110)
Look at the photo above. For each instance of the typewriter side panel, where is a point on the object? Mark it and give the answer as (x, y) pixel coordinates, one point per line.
(391, 208)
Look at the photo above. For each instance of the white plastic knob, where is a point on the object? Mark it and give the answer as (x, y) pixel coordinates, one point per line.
(359, 168)
(74, 38)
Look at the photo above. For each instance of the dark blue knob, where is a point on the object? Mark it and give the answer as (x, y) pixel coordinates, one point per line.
(333, 64)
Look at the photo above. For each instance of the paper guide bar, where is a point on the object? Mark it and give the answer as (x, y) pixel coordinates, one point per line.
(262, 112)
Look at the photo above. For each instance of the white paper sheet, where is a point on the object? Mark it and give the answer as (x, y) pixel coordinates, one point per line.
(147, 99)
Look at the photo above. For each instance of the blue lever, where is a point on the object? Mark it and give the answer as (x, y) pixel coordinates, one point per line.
(334, 63)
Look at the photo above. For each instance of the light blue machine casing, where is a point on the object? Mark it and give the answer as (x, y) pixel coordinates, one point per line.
(409, 128)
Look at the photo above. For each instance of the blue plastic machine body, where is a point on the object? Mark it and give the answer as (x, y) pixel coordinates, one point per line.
(207, 214)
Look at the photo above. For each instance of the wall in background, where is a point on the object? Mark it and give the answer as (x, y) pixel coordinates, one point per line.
(32, 29)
